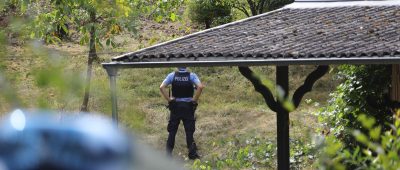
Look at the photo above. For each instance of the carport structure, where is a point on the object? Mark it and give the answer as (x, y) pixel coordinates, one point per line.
(302, 33)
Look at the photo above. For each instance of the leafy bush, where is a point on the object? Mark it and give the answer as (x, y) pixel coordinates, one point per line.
(255, 153)
(364, 90)
(209, 12)
(379, 150)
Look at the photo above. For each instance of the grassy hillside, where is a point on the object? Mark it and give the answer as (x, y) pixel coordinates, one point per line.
(230, 112)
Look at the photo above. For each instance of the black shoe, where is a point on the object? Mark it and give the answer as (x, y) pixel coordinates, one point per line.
(193, 152)
(194, 156)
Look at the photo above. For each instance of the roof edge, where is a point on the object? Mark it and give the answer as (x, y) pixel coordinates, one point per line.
(199, 32)
(332, 4)
(276, 62)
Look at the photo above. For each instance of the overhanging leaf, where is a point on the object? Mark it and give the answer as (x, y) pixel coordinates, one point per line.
(375, 133)
(173, 17)
(360, 137)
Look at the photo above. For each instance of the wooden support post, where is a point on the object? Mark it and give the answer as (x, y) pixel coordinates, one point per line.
(282, 80)
(112, 74)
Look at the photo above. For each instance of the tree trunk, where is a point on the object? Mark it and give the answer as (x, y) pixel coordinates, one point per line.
(91, 57)
(253, 7)
(208, 24)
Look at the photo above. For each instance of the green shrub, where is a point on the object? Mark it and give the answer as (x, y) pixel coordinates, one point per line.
(364, 90)
(209, 12)
(254, 153)
(378, 150)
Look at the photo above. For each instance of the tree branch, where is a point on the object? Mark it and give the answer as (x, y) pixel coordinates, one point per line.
(260, 6)
(259, 87)
(242, 9)
(308, 84)
(252, 7)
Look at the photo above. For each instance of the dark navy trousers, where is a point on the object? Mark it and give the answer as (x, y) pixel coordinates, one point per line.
(182, 111)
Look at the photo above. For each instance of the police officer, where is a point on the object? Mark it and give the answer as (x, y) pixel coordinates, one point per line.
(182, 105)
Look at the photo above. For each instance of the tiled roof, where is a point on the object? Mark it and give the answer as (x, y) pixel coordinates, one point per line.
(334, 33)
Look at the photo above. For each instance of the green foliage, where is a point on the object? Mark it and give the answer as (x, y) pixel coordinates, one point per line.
(254, 153)
(364, 90)
(209, 12)
(378, 150)
(56, 18)
(159, 10)
(108, 17)
(256, 7)
(95, 21)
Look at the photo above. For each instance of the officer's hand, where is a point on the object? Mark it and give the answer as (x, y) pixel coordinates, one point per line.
(171, 99)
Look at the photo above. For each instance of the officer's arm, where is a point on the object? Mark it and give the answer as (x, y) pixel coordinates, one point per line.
(164, 92)
(199, 87)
